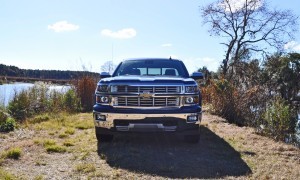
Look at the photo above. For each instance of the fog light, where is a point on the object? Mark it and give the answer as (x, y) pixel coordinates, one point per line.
(104, 99)
(100, 117)
(189, 100)
(192, 118)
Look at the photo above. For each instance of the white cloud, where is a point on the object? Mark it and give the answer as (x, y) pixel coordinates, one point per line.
(63, 26)
(167, 45)
(121, 34)
(292, 45)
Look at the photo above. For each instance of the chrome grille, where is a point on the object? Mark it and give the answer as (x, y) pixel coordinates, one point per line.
(148, 102)
(150, 89)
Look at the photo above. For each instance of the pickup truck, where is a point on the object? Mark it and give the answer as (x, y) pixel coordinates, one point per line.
(148, 95)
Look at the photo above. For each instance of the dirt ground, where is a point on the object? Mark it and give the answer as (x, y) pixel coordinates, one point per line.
(225, 151)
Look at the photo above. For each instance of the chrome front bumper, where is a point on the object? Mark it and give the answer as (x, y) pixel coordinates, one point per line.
(106, 120)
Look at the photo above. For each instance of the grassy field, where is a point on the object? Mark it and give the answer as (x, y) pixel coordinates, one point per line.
(63, 146)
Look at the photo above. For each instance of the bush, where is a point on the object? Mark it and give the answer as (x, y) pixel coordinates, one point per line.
(38, 96)
(262, 96)
(6, 123)
(19, 106)
(71, 102)
(8, 126)
(224, 100)
(56, 101)
(30, 102)
(3, 116)
(85, 88)
(235, 104)
(279, 119)
(39, 99)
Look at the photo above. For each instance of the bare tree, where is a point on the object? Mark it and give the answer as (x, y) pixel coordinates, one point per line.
(248, 26)
(108, 66)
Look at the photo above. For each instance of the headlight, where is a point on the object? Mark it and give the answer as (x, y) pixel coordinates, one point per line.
(102, 88)
(114, 89)
(191, 89)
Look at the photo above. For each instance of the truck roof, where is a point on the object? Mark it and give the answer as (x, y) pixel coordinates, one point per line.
(155, 59)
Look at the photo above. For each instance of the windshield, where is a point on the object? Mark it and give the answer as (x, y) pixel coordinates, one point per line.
(152, 68)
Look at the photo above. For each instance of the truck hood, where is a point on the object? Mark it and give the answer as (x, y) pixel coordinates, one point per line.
(148, 80)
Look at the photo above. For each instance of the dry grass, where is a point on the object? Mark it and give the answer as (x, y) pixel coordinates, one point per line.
(12, 153)
(85, 168)
(267, 158)
(224, 151)
(6, 175)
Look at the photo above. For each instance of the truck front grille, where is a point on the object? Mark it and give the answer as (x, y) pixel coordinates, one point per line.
(150, 89)
(148, 102)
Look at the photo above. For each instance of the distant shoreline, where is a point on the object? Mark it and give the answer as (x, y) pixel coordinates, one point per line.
(12, 79)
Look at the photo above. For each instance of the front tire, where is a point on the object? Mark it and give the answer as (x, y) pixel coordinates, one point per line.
(104, 137)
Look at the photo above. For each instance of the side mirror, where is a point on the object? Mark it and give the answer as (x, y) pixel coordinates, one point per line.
(197, 75)
(104, 75)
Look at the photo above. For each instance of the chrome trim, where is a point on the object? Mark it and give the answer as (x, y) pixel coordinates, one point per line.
(152, 107)
(158, 101)
(110, 117)
(145, 127)
(180, 86)
(180, 104)
(147, 93)
(181, 99)
(144, 88)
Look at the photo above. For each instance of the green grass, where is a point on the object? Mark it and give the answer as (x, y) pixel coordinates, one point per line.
(69, 143)
(56, 149)
(63, 135)
(40, 118)
(50, 145)
(6, 175)
(48, 142)
(85, 155)
(51, 133)
(1, 160)
(84, 125)
(70, 131)
(66, 122)
(40, 177)
(13, 153)
(85, 168)
(63, 125)
(44, 142)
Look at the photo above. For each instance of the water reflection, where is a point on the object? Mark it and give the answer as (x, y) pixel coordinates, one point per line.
(7, 91)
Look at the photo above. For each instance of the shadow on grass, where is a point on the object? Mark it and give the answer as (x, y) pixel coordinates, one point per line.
(170, 157)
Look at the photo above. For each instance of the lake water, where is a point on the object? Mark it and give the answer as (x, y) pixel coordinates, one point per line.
(7, 90)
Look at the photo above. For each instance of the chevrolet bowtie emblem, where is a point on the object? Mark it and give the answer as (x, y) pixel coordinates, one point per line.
(146, 94)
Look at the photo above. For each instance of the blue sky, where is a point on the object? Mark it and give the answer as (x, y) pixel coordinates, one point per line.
(66, 34)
